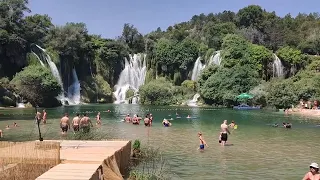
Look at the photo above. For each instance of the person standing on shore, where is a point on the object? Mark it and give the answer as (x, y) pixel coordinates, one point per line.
(313, 174)
(224, 132)
(44, 117)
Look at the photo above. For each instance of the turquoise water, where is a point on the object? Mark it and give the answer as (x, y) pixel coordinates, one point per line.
(256, 151)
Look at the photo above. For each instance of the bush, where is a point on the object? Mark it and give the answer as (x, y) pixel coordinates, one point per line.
(189, 85)
(157, 92)
(37, 85)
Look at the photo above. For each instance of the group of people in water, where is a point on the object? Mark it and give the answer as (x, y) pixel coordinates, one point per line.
(135, 120)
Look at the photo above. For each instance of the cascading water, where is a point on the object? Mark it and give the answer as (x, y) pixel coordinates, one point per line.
(194, 100)
(74, 90)
(215, 59)
(277, 67)
(131, 77)
(197, 68)
(74, 93)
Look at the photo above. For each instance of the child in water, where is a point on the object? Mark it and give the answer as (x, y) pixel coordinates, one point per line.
(202, 141)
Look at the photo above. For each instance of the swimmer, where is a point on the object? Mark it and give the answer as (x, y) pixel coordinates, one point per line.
(166, 123)
(232, 124)
(76, 123)
(146, 121)
(7, 127)
(98, 118)
(44, 117)
(128, 118)
(313, 173)
(202, 141)
(64, 124)
(287, 125)
(151, 119)
(15, 124)
(224, 132)
(188, 116)
(135, 120)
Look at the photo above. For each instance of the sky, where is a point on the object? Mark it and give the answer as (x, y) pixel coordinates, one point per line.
(107, 17)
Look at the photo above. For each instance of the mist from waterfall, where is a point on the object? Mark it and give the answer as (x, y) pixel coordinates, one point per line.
(215, 59)
(197, 68)
(74, 93)
(277, 67)
(132, 77)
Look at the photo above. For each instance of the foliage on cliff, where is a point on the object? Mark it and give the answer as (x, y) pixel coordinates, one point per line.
(37, 85)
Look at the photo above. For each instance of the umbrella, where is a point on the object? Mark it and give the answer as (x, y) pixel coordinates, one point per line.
(245, 96)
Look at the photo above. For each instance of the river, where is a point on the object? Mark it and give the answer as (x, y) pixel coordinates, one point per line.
(256, 149)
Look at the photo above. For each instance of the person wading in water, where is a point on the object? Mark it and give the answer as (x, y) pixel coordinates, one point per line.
(85, 123)
(313, 174)
(65, 124)
(44, 117)
(76, 123)
(224, 132)
(202, 142)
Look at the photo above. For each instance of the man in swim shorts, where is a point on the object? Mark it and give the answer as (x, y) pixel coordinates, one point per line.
(202, 141)
(85, 123)
(313, 174)
(224, 132)
(65, 124)
(146, 121)
(76, 123)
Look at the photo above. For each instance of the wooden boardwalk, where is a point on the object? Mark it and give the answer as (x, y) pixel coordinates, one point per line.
(86, 160)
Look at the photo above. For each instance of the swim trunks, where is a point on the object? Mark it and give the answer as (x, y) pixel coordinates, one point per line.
(201, 146)
(135, 123)
(224, 137)
(146, 124)
(64, 128)
(76, 127)
(166, 125)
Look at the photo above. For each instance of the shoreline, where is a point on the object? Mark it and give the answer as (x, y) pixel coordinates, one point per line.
(305, 112)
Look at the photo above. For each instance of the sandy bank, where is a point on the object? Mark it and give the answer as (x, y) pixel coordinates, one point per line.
(305, 112)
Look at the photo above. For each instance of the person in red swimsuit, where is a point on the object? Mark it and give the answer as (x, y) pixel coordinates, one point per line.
(313, 174)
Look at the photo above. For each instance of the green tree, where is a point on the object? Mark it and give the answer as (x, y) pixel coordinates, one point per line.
(37, 85)
(157, 92)
(251, 16)
(282, 94)
(132, 37)
(214, 33)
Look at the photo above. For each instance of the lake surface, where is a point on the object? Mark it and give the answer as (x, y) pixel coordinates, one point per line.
(256, 151)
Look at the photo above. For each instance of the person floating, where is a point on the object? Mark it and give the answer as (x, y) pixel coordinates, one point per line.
(313, 174)
(224, 132)
(64, 124)
(202, 141)
(76, 123)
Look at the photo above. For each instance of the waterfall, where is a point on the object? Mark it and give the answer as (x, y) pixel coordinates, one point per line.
(74, 89)
(197, 68)
(134, 100)
(194, 100)
(215, 59)
(277, 67)
(132, 77)
(74, 93)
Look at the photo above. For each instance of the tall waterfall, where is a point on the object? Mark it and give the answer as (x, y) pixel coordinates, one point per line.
(215, 59)
(197, 68)
(74, 90)
(131, 77)
(74, 93)
(277, 67)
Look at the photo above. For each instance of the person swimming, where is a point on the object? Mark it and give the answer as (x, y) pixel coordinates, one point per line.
(287, 125)
(166, 123)
(188, 116)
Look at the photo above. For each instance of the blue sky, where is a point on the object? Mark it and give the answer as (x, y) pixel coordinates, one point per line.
(106, 17)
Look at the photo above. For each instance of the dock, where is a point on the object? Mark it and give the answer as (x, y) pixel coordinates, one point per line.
(90, 160)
